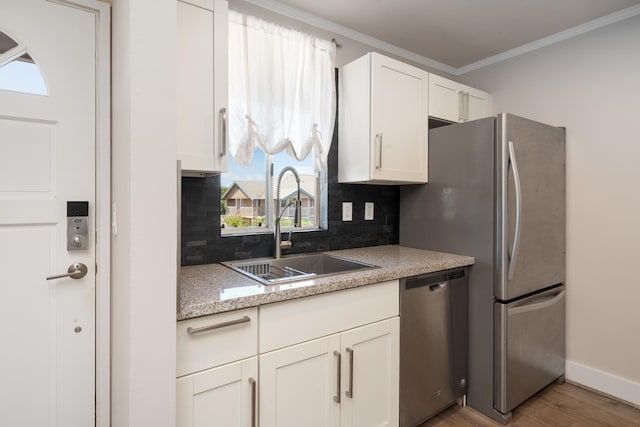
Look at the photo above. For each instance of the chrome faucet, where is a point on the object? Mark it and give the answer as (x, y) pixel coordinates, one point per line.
(278, 244)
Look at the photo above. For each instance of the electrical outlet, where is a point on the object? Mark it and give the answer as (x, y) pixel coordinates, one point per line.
(347, 211)
(368, 211)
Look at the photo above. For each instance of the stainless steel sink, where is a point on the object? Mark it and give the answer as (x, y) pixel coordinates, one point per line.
(290, 269)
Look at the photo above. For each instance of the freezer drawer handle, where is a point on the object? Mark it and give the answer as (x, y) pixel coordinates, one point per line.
(516, 234)
(538, 305)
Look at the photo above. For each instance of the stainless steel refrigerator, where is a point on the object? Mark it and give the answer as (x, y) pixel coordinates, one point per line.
(496, 191)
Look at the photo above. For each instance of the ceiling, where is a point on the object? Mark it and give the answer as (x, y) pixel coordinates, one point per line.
(460, 33)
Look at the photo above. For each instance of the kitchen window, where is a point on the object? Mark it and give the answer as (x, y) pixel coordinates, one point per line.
(245, 206)
(282, 107)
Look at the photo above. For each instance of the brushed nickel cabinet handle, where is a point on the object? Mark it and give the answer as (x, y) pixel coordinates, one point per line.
(253, 401)
(336, 398)
(223, 131)
(349, 392)
(466, 106)
(244, 319)
(379, 147)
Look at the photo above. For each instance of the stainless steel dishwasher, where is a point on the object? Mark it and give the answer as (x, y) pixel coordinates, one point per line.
(433, 343)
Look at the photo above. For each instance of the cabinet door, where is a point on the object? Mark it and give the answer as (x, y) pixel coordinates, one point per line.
(456, 102)
(399, 121)
(201, 96)
(478, 104)
(445, 99)
(298, 385)
(370, 375)
(224, 396)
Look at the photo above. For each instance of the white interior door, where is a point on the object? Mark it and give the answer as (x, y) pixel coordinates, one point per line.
(47, 157)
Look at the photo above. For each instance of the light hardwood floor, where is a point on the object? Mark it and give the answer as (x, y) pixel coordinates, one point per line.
(563, 405)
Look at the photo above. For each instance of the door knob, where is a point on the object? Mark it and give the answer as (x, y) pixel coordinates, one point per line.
(75, 271)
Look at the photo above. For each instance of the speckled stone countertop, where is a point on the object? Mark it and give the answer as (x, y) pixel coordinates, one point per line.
(214, 288)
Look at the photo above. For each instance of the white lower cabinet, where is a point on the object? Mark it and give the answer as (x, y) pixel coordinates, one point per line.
(325, 360)
(217, 369)
(349, 379)
(298, 383)
(222, 396)
(370, 355)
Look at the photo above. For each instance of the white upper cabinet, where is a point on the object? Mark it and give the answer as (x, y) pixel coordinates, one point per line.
(202, 80)
(478, 104)
(455, 102)
(383, 122)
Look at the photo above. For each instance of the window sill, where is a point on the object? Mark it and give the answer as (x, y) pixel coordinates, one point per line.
(251, 231)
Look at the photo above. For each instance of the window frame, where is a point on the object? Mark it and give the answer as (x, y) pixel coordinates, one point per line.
(19, 72)
(319, 207)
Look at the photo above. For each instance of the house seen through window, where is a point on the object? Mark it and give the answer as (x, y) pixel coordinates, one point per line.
(248, 198)
(282, 107)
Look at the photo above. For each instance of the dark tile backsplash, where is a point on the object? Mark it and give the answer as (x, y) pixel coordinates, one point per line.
(202, 243)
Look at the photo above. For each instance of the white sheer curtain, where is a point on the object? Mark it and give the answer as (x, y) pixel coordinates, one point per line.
(281, 91)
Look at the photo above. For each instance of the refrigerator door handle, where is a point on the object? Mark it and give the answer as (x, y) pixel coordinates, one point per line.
(547, 302)
(516, 234)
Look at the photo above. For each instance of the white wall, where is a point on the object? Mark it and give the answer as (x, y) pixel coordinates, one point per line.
(144, 189)
(591, 85)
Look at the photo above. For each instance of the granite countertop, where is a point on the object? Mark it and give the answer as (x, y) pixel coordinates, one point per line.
(214, 288)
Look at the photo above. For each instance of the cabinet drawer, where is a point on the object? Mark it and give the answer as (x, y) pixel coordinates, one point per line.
(232, 337)
(291, 322)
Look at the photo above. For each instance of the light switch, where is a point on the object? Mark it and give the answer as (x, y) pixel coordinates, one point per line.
(347, 211)
(368, 211)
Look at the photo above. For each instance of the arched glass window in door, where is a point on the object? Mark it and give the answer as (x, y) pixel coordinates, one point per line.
(18, 70)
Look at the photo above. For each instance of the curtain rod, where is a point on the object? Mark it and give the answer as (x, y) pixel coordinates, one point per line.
(338, 45)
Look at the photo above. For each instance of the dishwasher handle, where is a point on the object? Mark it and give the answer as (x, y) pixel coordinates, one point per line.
(438, 286)
(435, 282)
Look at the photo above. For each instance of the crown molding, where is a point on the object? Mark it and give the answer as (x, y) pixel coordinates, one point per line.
(332, 27)
(552, 39)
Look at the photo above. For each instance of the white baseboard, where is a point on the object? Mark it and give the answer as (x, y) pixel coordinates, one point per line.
(604, 382)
